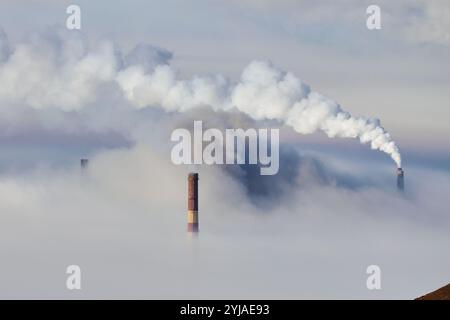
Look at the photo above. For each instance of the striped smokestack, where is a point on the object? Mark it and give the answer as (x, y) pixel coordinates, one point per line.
(193, 202)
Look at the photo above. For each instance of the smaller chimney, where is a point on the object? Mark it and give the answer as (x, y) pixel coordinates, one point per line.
(84, 163)
(400, 179)
(192, 226)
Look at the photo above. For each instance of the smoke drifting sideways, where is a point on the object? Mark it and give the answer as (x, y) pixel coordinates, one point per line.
(58, 70)
(308, 232)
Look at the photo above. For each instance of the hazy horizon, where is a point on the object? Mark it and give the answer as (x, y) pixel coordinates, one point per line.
(114, 91)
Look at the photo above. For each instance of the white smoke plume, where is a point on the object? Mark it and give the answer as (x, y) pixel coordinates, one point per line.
(264, 92)
(58, 70)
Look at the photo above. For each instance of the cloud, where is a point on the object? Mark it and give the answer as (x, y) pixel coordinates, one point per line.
(124, 222)
(147, 57)
(55, 72)
(308, 232)
(432, 25)
(417, 21)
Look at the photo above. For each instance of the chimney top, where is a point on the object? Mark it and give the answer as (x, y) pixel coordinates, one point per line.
(193, 175)
(84, 162)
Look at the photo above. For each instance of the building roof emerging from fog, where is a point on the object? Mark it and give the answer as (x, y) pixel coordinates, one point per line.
(440, 294)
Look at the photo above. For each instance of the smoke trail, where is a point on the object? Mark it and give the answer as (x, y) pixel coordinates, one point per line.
(264, 92)
(58, 70)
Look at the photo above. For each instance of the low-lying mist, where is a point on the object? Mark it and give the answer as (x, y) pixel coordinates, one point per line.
(308, 232)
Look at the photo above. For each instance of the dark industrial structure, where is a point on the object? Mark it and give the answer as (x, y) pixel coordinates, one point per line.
(84, 163)
(400, 179)
(193, 202)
